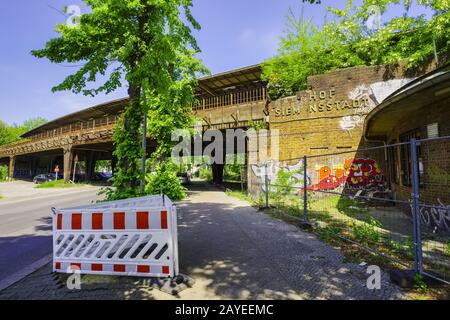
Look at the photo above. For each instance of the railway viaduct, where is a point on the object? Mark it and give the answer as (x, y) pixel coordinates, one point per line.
(234, 99)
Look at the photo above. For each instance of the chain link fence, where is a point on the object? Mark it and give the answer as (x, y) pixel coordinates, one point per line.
(392, 200)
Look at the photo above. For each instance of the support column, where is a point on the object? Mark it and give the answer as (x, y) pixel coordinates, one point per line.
(68, 163)
(217, 171)
(220, 168)
(90, 165)
(34, 164)
(12, 165)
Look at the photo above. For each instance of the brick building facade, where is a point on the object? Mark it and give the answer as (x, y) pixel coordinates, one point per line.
(327, 123)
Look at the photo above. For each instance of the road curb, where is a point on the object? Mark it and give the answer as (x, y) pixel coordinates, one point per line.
(12, 279)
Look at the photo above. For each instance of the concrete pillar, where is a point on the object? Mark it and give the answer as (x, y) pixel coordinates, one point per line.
(68, 163)
(12, 165)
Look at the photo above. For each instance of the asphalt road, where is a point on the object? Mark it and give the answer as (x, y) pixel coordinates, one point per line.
(25, 222)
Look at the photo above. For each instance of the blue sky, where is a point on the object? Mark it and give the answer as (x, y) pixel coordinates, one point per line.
(235, 33)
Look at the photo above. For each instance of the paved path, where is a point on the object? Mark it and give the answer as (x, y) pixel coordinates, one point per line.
(25, 222)
(232, 252)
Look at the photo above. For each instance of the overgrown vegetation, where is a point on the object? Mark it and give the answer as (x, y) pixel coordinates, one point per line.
(205, 173)
(348, 40)
(11, 134)
(164, 179)
(234, 169)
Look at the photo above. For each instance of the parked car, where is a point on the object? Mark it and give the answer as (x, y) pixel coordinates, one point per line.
(184, 177)
(101, 176)
(42, 178)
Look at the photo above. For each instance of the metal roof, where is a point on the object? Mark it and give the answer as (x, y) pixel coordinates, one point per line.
(243, 78)
(109, 108)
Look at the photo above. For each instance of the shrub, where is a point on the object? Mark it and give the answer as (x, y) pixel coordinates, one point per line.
(165, 179)
(205, 173)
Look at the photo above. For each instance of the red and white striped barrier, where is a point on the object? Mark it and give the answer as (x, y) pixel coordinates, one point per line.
(136, 237)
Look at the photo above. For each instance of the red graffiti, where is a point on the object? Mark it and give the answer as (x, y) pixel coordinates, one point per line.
(357, 173)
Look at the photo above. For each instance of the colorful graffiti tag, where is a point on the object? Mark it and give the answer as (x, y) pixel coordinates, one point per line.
(356, 174)
(360, 174)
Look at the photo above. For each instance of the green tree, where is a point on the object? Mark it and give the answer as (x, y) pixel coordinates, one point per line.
(33, 123)
(349, 40)
(9, 134)
(6, 135)
(145, 43)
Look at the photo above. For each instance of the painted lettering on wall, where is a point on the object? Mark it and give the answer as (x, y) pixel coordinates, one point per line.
(355, 174)
(436, 217)
(321, 101)
(271, 169)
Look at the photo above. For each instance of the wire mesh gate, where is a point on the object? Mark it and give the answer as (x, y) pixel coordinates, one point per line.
(135, 237)
(392, 200)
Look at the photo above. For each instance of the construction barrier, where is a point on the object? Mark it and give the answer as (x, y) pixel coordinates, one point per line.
(134, 237)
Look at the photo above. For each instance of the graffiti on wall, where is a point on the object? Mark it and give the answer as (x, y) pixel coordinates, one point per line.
(353, 174)
(373, 94)
(272, 168)
(436, 217)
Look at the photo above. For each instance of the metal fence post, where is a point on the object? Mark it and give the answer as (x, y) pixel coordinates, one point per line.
(418, 267)
(266, 184)
(305, 191)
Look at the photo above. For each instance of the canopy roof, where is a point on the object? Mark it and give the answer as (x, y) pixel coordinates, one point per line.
(427, 90)
(239, 79)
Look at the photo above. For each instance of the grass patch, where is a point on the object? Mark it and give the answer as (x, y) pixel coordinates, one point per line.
(58, 185)
(244, 197)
